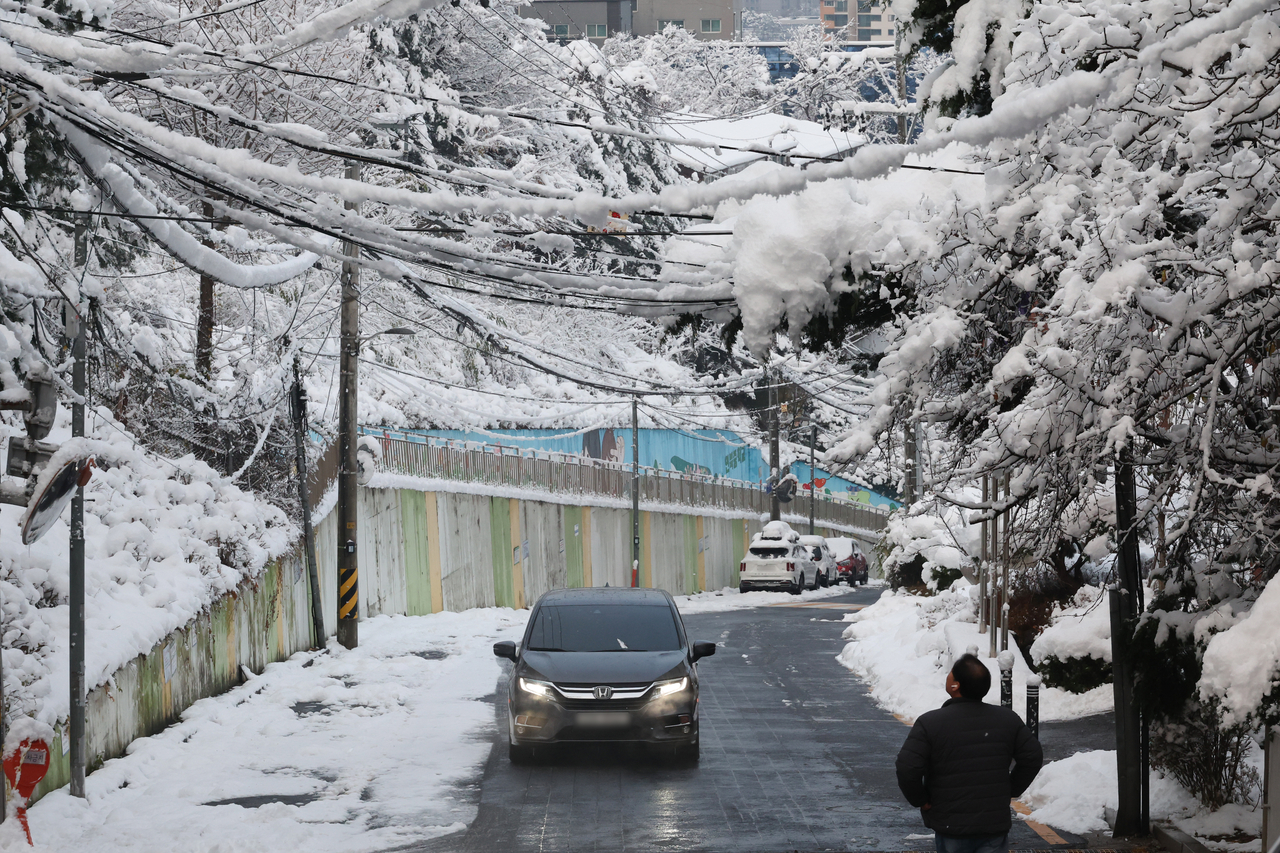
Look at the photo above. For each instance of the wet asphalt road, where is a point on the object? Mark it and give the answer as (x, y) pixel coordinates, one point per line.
(795, 757)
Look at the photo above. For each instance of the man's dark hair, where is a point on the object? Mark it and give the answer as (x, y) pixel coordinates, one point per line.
(972, 675)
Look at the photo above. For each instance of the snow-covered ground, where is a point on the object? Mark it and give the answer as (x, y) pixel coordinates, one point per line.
(338, 751)
(348, 751)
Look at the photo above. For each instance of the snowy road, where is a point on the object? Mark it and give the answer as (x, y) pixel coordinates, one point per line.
(398, 745)
(795, 756)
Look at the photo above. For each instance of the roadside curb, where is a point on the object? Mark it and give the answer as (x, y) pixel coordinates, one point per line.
(1175, 840)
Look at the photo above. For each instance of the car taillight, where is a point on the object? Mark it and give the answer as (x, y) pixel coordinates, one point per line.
(791, 567)
(742, 567)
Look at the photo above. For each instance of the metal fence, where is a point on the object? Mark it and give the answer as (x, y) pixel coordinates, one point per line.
(500, 465)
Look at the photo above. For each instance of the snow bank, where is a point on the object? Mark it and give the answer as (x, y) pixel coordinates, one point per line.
(163, 541)
(338, 751)
(903, 646)
(1074, 794)
(1242, 663)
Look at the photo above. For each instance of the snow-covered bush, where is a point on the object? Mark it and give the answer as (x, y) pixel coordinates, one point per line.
(926, 552)
(1209, 759)
(1074, 652)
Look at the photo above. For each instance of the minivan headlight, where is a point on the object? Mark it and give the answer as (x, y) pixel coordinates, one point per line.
(540, 689)
(666, 688)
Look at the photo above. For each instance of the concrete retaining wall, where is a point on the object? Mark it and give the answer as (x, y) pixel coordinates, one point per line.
(420, 552)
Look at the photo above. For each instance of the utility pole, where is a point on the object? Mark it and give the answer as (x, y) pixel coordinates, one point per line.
(909, 458)
(1005, 563)
(993, 607)
(348, 496)
(813, 475)
(635, 491)
(900, 69)
(775, 510)
(298, 400)
(983, 568)
(204, 319)
(1126, 604)
(76, 322)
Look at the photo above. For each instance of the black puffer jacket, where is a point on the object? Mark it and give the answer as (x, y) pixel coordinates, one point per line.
(957, 759)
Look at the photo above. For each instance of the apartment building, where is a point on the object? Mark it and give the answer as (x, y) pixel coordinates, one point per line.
(867, 22)
(598, 19)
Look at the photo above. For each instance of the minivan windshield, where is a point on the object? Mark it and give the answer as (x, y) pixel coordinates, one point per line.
(604, 628)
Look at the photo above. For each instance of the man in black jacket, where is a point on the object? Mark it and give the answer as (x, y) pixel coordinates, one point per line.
(955, 764)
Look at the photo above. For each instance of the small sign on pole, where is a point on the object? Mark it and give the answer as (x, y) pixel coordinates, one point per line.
(24, 767)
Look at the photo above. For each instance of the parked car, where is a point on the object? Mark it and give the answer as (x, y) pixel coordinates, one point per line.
(851, 563)
(820, 553)
(775, 559)
(603, 664)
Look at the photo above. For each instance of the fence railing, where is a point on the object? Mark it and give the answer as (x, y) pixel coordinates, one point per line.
(500, 465)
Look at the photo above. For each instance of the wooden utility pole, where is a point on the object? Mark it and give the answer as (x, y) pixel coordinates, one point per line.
(348, 496)
(204, 319)
(76, 323)
(298, 403)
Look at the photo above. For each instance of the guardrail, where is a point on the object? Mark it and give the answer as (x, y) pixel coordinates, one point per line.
(501, 465)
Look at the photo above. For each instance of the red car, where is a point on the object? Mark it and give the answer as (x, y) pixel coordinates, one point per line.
(851, 563)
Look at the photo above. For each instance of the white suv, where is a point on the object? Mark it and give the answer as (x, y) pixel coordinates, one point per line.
(828, 572)
(776, 560)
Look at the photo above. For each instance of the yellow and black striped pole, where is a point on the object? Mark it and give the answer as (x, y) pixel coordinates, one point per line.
(348, 498)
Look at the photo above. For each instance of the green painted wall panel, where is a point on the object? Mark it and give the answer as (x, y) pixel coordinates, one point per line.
(417, 551)
(690, 554)
(504, 591)
(573, 546)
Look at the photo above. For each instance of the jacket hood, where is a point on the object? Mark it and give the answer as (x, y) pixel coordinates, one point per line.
(604, 667)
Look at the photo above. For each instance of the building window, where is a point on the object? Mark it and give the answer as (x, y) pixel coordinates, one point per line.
(711, 25)
(864, 35)
(842, 5)
(662, 25)
(838, 20)
(635, 6)
(865, 7)
(561, 31)
(868, 20)
(596, 31)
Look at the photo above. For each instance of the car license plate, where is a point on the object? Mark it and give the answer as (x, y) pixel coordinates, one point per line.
(604, 719)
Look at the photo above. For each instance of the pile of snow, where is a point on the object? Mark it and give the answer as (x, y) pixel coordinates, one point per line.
(903, 646)
(345, 751)
(163, 541)
(1074, 794)
(1081, 629)
(1242, 663)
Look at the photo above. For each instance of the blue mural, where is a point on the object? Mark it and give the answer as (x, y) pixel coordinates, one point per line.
(719, 453)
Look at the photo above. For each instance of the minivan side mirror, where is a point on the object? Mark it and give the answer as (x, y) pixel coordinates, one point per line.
(703, 649)
(505, 649)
